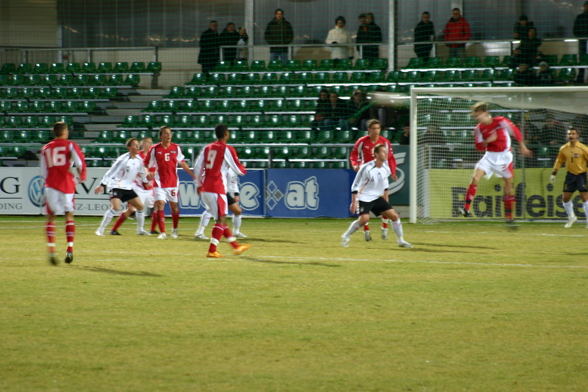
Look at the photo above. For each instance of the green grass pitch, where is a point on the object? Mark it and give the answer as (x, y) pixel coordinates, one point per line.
(473, 307)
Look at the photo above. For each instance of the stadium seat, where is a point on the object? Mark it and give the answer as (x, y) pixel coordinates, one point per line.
(344, 64)
(487, 75)
(154, 67)
(309, 65)
(132, 80)
(568, 60)
(506, 62)
(434, 62)
(394, 77)
(137, 67)
(358, 77)
(116, 80)
(7, 69)
(340, 77)
(491, 61)
(472, 62)
(415, 62)
(326, 65)
(275, 65)
(251, 78)
(380, 63)
(453, 62)
(362, 64)
(73, 68)
(325, 136)
(89, 67)
(258, 66)
(198, 79)
(269, 78)
(566, 74)
(105, 67)
(293, 65)
(121, 67)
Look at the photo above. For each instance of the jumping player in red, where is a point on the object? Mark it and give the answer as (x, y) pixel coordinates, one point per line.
(57, 158)
(211, 169)
(165, 157)
(493, 136)
(364, 146)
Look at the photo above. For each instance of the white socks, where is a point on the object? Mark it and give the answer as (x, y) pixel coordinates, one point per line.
(569, 207)
(397, 226)
(204, 220)
(353, 227)
(107, 218)
(585, 205)
(140, 215)
(237, 223)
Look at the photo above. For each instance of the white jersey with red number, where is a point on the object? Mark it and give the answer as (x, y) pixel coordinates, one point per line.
(503, 128)
(213, 164)
(371, 181)
(232, 181)
(165, 161)
(365, 147)
(57, 157)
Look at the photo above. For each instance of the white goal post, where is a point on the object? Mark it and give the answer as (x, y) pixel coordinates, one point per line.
(443, 154)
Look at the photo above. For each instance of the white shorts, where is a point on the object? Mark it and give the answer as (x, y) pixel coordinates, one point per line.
(57, 202)
(215, 204)
(146, 196)
(498, 163)
(167, 194)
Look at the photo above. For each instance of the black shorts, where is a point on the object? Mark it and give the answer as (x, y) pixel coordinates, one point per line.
(230, 200)
(575, 182)
(376, 206)
(122, 194)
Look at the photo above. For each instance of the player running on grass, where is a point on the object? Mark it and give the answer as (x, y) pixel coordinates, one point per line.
(211, 170)
(233, 201)
(492, 135)
(57, 157)
(364, 147)
(368, 187)
(119, 179)
(575, 155)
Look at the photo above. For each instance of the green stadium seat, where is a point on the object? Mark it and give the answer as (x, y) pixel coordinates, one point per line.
(434, 62)
(293, 65)
(582, 61)
(309, 65)
(568, 60)
(198, 79)
(506, 61)
(241, 66)
(154, 67)
(73, 68)
(394, 77)
(269, 78)
(344, 136)
(326, 65)
(256, 121)
(239, 121)
(24, 68)
(89, 67)
(288, 78)
(415, 62)
(105, 67)
(251, 78)
(275, 65)
(7, 69)
(121, 67)
(130, 122)
(325, 136)
(235, 79)
(358, 77)
(56, 68)
(137, 67)
(453, 62)
(344, 64)
(472, 62)
(362, 64)
(469, 75)
(132, 80)
(98, 80)
(487, 75)
(380, 63)
(566, 74)
(116, 80)
(38, 106)
(258, 66)
(491, 61)
(340, 77)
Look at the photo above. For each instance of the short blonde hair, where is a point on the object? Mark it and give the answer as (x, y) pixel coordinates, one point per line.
(481, 107)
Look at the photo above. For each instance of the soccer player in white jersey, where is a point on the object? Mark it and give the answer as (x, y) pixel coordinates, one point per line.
(233, 202)
(144, 191)
(211, 172)
(362, 152)
(165, 158)
(575, 155)
(370, 189)
(57, 158)
(492, 135)
(119, 180)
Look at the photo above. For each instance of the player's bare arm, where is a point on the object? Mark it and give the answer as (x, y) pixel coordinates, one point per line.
(524, 150)
(186, 168)
(353, 205)
(99, 189)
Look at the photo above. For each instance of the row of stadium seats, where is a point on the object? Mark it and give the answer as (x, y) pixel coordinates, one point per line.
(53, 93)
(32, 122)
(287, 78)
(233, 92)
(252, 136)
(309, 65)
(232, 106)
(468, 76)
(18, 80)
(137, 67)
(36, 107)
(26, 136)
(475, 62)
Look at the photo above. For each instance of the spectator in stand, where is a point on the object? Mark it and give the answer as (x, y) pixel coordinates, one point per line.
(322, 109)
(457, 29)
(529, 48)
(524, 76)
(242, 50)
(545, 77)
(521, 27)
(553, 132)
(581, 30)
(369, 33)
(279, 32)
(359, 109)
(337, 113)
(405, 136)
(517, 58)
(340, 36)
(424, 32)
(229, 36)
(433, 136)
(209, 48)
(580, 123)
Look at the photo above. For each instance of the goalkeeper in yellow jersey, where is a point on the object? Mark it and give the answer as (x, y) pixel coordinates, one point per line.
(575, 155)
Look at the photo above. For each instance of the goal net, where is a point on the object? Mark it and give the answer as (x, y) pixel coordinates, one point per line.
(442, 145)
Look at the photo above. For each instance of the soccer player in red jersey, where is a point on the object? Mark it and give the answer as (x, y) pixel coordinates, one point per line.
(492, 135)
(57, 158)
(364, 147)
(165, 157)
(211, 169)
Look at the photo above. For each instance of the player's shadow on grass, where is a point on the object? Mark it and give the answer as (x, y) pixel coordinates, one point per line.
(417, 248)
(291, 262)
(115, 272)
(459, 246)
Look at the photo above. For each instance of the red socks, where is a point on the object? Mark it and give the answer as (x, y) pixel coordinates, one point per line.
(508, 202)
(175, 220)
(119, 222)
(50, 230)
(470, 196)
(229, 235)
(161, 221)
(153, 220)
(217, 233)
(70, 232)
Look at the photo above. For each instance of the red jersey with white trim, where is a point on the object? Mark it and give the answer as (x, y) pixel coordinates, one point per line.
(165, 161)
(139, 180)
(213, 164)
(503, 128)
(365, 147)
(57, 157)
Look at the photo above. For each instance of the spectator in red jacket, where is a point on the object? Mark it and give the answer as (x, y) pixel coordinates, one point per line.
(457, 29)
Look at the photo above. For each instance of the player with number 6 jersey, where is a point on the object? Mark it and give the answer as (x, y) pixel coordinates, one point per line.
(57, 159)
(165, 158)
(211, 168)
